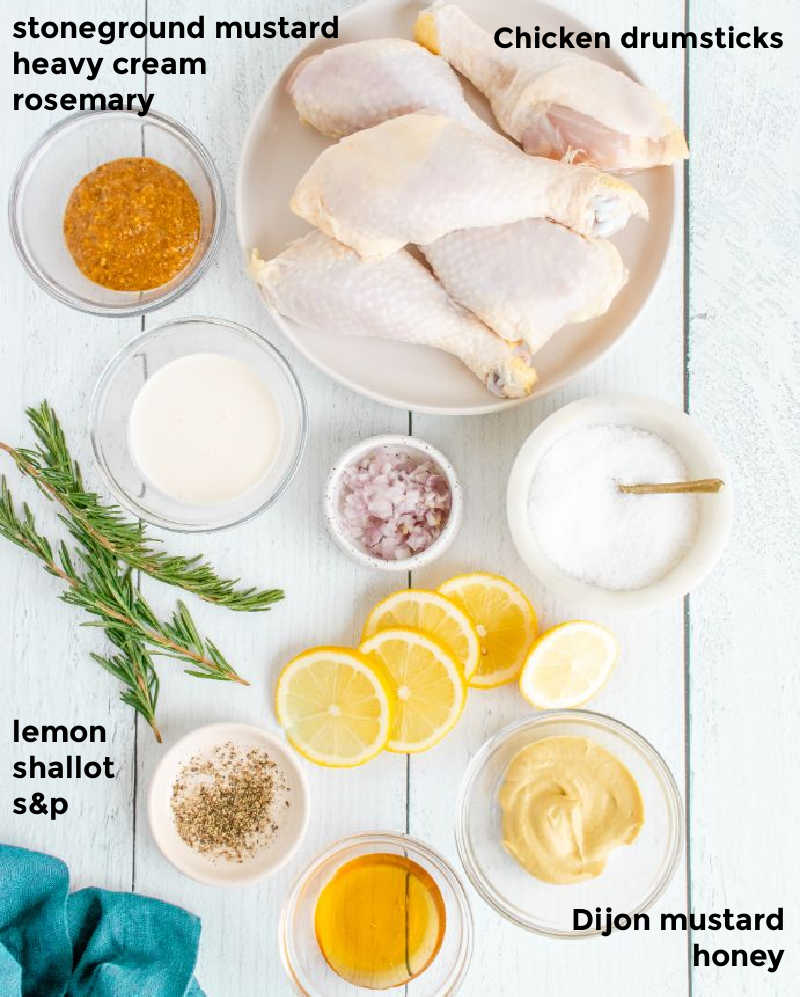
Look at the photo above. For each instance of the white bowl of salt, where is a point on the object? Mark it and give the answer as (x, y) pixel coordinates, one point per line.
(588, 541)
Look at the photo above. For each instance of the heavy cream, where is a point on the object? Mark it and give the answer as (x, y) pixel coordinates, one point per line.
(204, 429)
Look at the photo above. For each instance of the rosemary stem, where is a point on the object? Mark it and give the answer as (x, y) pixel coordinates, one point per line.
(58, 477)
(37, 476)
(115, 614)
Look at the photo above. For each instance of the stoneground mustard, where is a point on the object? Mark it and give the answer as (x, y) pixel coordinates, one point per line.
(567, 804)
(132, 224)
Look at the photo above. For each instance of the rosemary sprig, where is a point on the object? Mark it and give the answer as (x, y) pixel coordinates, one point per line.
(134, 667)
(135, 670)
(99, 579)
(52, 468)
(107, 592)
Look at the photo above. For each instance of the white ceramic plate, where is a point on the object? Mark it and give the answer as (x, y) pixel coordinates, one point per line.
(333, 516)
(292, 820)
(277, 151)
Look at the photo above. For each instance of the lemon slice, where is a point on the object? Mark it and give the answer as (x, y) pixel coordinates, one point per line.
(504, 619)
(433, 614)
(336, 706)
(429, 687)
(568, 664)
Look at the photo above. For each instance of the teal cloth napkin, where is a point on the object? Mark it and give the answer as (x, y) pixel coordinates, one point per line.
(93, 943)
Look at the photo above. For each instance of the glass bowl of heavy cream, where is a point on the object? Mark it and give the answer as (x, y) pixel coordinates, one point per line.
(565, 814)
(198, 424)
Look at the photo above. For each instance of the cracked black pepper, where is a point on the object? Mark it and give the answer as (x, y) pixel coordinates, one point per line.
(226, 803)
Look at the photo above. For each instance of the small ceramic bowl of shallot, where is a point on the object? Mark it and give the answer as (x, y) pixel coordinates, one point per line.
(393, 503)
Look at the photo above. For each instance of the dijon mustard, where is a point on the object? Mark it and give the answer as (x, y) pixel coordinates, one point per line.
(567, 803)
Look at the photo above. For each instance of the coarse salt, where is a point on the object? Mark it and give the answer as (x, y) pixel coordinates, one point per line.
(394, 503)
(596, 533)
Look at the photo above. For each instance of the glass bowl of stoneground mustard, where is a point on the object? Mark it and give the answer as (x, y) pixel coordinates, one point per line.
(116, 214)
(334, 934)
(552, 811)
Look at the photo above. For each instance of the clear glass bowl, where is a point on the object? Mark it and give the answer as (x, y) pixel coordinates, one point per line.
(120, 383)
(300, 952)
(636, 874)
(61, 158)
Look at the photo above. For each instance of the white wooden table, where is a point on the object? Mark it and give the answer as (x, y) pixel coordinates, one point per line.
(713, 682)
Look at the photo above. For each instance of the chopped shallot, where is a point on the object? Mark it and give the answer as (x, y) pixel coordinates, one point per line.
(394, 504)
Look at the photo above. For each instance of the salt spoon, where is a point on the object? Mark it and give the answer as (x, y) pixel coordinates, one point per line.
(708, 486)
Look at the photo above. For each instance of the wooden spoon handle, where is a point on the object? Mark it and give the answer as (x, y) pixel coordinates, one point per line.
(702, 485)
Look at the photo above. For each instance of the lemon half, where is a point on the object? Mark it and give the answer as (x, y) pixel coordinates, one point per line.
(568, 665)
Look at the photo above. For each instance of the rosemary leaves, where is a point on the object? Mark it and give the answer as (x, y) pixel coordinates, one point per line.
(50, 465)
(98, 572)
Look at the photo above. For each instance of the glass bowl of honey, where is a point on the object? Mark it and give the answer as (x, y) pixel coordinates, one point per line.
(116, 214)
(376, 912)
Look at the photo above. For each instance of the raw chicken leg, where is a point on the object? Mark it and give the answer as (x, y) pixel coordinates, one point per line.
(417, 177)
(524, 279)
(528, 279)
(566, 106)
(361, 84)
(321, 284)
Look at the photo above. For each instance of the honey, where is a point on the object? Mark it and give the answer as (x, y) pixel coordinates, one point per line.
(132, 224)
(380, 921)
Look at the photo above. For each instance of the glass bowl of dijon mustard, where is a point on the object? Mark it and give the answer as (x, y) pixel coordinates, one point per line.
(116, 214)
(568, 819)
(377, 911)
